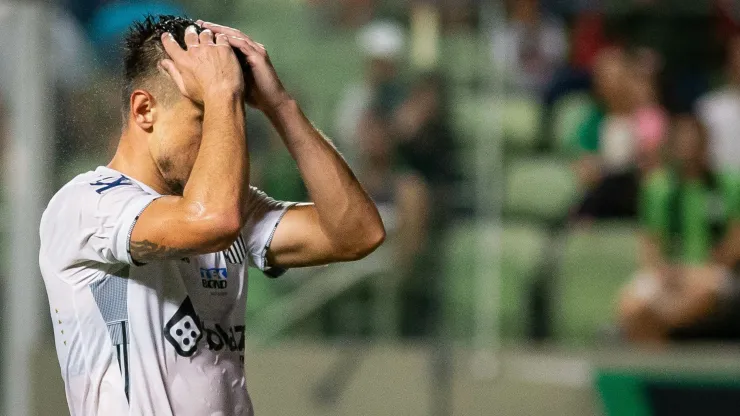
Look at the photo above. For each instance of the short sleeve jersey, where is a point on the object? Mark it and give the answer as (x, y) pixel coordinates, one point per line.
(165, 338)
(689, 217)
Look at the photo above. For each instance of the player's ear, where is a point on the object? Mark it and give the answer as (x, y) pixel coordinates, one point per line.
(142, 109)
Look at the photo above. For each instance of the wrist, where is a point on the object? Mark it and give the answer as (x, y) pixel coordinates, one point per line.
(285, 108)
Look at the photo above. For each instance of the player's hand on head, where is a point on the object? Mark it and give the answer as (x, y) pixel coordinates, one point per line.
(208, 67)
(267, 92)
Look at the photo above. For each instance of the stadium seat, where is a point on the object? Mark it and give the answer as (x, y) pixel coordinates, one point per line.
(595, 263)
(473, 118)
(540, 187)
(517, 119)
(569, 113)
(461, 53)
(521, 245)
(521, 119)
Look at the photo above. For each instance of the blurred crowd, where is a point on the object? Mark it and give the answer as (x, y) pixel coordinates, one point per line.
(656, 94)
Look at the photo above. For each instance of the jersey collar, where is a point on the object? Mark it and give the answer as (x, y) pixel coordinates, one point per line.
(146, 188)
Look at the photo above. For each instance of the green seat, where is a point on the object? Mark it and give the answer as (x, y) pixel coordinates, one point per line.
(473, 117)
(569, 113)
(540, 187)
(521, 118)
(460, 57)
(596, 262)
(521, 245)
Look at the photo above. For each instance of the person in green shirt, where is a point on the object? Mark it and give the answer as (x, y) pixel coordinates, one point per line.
(690, 218)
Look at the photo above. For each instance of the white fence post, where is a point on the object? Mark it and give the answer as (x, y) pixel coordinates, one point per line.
(27, 94)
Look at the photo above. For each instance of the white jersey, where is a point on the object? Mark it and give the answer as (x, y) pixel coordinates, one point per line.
(160, 339)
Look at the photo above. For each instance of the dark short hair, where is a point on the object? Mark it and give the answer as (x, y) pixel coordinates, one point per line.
(143, 50)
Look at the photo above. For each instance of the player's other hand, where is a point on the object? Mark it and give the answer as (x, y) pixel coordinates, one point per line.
(208, 68)
(268, 92)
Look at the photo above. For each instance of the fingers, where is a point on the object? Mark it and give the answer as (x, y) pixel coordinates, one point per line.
(222, 29)
(206, 37)
(191, 36)
(243, 45)
(236, 37)
(171, 46)
(222, 39)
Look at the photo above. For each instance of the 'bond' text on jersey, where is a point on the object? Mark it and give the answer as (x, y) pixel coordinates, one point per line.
(214, 278)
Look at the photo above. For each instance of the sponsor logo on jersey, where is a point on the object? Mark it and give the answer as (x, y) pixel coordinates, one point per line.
(219, 338)
(214, 278)
(237, 252)
(184, 330)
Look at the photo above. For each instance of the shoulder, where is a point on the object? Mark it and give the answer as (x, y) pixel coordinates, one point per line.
(88, 197)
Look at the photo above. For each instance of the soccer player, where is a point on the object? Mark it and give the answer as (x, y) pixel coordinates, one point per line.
(145, 260)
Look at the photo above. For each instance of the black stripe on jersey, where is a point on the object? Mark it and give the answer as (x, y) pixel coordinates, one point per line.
(237, 252)
(240, 248)
(119, 351)
(125, 372)
(229, 257)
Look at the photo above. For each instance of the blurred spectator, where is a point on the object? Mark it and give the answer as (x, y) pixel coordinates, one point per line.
(427, 157)
(681, 291)
(720, 111)
(406, 159)
(382, 43)
(586, 41)
(607, 169)
(530, 47)
(651, 120)
(425, 141)
(728, 15)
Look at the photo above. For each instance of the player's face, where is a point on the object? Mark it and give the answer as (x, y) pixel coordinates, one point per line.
(177, 136)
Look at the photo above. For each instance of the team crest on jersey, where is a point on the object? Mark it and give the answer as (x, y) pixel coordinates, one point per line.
(237, 252)
(110, 183)
(184, 330)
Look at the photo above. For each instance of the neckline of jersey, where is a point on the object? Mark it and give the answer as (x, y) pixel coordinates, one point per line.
(143, 186)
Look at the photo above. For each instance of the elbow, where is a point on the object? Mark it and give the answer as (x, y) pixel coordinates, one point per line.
(372, 238)
(222, 228)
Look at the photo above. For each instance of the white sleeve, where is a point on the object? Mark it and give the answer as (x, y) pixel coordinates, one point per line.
(264, 215)
(88, 223)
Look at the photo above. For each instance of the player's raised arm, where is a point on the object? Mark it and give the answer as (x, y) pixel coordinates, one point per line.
(209, 215)
(343, 222)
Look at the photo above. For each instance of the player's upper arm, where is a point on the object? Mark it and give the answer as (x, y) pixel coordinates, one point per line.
(300, 241)
(172, 227)
(280, 235)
